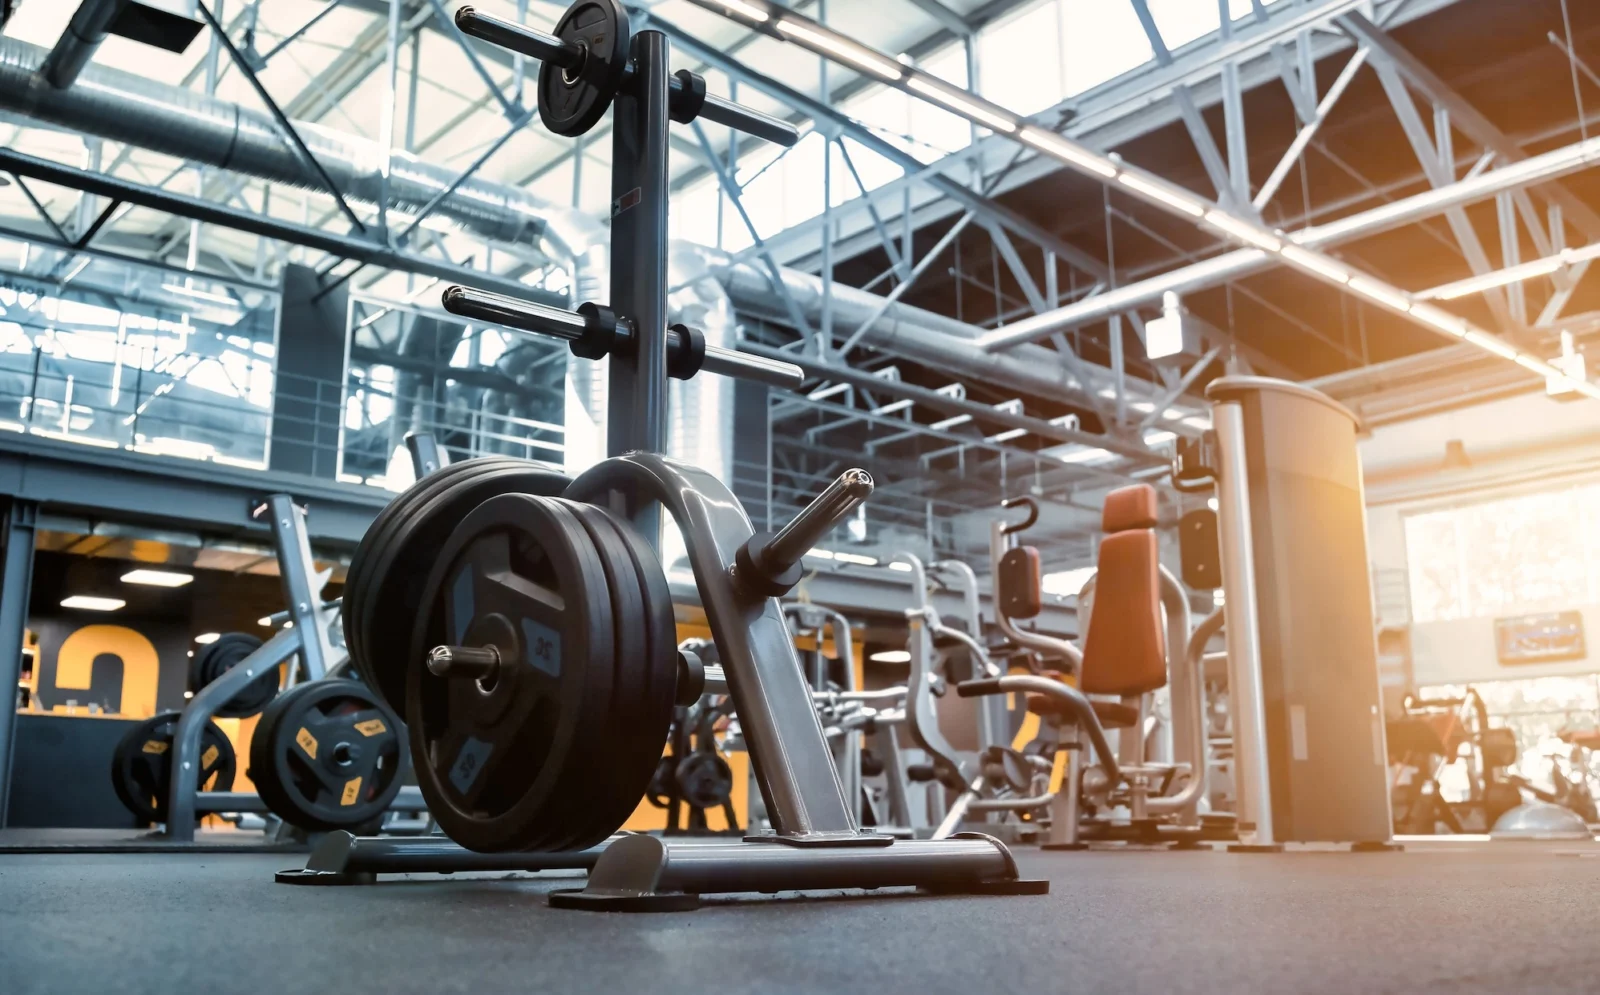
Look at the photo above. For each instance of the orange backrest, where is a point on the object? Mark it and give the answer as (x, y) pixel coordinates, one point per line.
(1126, 652)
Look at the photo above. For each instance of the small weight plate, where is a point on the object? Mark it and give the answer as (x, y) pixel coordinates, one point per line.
(141, 765)
(328, 755)
(389, 568)
(571, 101)
(704, 779)
(223, 654)
(507, 764)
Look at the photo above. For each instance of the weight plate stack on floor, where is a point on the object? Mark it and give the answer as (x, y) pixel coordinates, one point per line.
(141, 765)
(223, 654)
(383, 587)
(554, 749)
(328, 755)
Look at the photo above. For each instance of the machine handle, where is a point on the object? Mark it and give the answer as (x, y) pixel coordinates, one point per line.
(1026, 523)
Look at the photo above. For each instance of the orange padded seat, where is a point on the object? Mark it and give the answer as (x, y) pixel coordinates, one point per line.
(1126, 652)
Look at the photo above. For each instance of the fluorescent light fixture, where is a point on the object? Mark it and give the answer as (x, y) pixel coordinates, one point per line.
(1163, 193)
(862, 58)
(1243, 231)
(1201, 422)
(1158, 438)
(189, 694)
(265, 621)
(899, 567)
(1321, 265)
(1441, 319)
(1069, 152)
(1163, 337)
(1382, 293)
(959, 102)
(1491, 343)
(201, 295)
(90, 603)
(207, 638)
(157, 578)
(1143, 407)
(13, 426)
(1008, 435)
(1089, 455)
(951, 422)
(856, 558)
(745, 10)
(1500, 278)
(891, 656)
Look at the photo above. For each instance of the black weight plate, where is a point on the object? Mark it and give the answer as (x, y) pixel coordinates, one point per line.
(571, 101)
(328, 755)
(222, 655)
(646, 681)
(704, 779)
(620, 768)
(500, 764)
(397, 553)
(141, 765)
(376, 544)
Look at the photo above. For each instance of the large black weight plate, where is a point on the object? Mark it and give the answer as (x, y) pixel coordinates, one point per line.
(328, 755)
(383, 587)
(571, 101)
(509, 765)
(141, 765)
(223, 654)
(644, 684)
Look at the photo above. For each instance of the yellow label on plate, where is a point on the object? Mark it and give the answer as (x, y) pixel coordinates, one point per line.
(209, 757)
(371, 727)
(154, 746)
(1058, 771)
(352, 792)
(307, 742)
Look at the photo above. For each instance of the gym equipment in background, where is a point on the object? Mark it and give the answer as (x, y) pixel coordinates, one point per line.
(328, 754)
(223, 654)
(542, 669)
(141, 765)
(1308, 733)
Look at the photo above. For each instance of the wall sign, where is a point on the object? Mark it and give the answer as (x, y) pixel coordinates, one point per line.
(1545, 638)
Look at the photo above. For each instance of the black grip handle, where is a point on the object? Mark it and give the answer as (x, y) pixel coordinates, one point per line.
(1026, 523)
(978, 688)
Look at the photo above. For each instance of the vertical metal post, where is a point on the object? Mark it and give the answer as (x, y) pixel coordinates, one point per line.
(825, 319)
(1252, 775)
(386, 123)
(16, 580)
(636, 416)
(298, 572)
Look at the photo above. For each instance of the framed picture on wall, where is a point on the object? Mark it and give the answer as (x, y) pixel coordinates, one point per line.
(1548, 637)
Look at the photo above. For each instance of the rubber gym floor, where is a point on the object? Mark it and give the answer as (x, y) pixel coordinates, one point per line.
(1460, 917)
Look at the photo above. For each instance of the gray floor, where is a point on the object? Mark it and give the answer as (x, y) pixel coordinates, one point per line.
(1462, 918)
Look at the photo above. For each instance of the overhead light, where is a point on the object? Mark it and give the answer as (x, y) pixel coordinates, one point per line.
(856, 558)
(189, 694)
(1158, 438)
(950, 422)
(157, 578)
(1321, 265)
(745, 10)
(1230, 225)
(1198, 421)
(1382, 293)
(818, 552)
(862, 58)
(1439, 318)
(899, 567)
(207, 638)
(1500, 278)
(1087, 455)
(1007, 435)
(90, 603)
(1069, 152)
(891, 656)
(957, 101)
(1164, 193)
(1491, 343)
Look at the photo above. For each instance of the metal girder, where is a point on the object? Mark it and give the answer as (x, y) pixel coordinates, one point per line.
(343, 246)
(985, 208)
(947, 18)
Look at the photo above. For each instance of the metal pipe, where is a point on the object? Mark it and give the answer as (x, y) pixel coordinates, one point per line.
(76, 46)
(1082, 709)
(1192, 664)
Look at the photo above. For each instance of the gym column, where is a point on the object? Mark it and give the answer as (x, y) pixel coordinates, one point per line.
(16, 582)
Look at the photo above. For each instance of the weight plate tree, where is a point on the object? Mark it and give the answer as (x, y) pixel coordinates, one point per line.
(216, 658)
(141, 765)
(547, 737)
(328, 755)
(383, 587)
